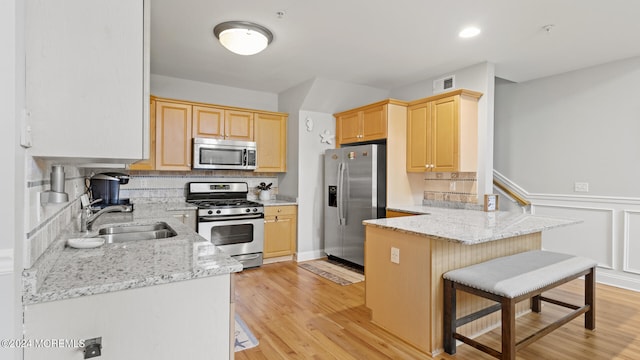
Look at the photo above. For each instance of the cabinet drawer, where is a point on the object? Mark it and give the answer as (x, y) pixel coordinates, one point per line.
(280, 210)
(392, 213)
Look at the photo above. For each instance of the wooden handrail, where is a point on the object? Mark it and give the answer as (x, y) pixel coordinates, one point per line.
(519, 199)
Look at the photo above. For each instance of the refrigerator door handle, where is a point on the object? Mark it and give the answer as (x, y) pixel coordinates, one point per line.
(341, 217)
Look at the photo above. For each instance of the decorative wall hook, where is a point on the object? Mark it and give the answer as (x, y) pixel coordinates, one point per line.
(327, 137)
(309, 124)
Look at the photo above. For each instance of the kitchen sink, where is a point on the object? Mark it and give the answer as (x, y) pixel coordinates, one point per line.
(124, 233)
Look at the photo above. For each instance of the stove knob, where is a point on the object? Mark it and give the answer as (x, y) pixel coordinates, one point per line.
(255, 209)
(248, 210)
(209, 212)
(218, 211)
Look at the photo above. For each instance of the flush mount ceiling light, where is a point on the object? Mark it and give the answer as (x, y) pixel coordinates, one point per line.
(469, 32)
(243, 37)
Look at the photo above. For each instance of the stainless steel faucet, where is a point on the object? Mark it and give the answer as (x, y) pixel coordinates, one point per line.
(87, 218)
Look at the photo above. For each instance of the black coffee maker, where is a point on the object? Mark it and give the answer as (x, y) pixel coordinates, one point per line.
(106, 186)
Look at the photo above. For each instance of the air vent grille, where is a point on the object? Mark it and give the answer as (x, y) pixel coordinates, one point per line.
(444, 84)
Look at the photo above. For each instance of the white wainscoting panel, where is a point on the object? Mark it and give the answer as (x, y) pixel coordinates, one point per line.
(632, 241)
(593, 238)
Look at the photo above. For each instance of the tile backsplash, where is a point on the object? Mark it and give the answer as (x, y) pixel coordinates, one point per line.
(147, 184)
(45, 223)
(454, 187)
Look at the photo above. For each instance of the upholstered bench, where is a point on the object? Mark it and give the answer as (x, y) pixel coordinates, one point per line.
(509, 280)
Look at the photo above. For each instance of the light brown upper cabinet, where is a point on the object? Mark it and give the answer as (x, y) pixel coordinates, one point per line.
(173, 136)
(174, 124)
(271, 142)
(442, 132)
(218, 123)
(362, 124)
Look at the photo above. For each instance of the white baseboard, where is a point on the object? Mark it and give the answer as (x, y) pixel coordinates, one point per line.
(617, 280)
(6, 261)
(310, 255)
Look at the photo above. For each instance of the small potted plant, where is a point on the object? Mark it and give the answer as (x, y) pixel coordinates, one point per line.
(265, 191)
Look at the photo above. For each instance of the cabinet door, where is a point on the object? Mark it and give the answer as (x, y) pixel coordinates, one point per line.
(374, 123)
(141, 323)
(271, 140)
(418, 132)
(280, 231)
(208, 122)
(445, 145)
(277, 236)
(238, 125)
(173, 136)
(348, 128)
(150, 163)
(87, 78)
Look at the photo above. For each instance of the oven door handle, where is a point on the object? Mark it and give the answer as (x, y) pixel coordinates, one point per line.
(225, 218)
(246, 257)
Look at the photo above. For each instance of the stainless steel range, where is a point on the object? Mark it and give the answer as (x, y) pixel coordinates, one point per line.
(228, 220)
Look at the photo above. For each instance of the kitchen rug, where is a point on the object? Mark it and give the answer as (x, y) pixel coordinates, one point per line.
(337, 272)
(244, 338)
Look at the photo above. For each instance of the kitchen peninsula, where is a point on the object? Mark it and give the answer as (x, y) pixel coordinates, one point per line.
(180, 287)
(405, 294)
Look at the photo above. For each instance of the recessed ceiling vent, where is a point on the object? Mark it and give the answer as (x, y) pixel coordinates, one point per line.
(444, 84)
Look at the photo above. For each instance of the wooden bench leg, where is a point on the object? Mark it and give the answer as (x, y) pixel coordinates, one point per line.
(449, 321)
(536, 304)
(589, 299)
(508, 329)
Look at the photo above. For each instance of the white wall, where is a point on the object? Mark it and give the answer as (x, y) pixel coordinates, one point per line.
(174, 88)
(12, 156)
(290, 102)
(311, 174)
(332, 96)
(580, 126)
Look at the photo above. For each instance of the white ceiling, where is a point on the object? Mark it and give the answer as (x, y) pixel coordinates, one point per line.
(388, 44)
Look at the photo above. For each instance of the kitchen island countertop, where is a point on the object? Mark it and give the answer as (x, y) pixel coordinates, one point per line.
(405, 294)
(467, 226)
(63, 272)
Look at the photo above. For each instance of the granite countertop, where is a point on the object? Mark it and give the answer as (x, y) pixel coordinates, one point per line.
(277, 202)
(467, 226)
(63, 272)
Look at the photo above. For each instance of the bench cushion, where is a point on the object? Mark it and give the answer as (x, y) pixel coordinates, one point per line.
(515, 275)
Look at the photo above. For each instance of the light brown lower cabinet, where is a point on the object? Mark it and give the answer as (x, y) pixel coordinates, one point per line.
(392, 213)
(280, 227)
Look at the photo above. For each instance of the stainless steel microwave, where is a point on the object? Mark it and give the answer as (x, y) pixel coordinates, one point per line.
(214, 154)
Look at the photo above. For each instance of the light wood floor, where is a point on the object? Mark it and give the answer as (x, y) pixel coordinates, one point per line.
(296, 314)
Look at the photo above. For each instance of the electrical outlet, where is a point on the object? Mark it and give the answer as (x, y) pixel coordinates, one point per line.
(581, 187)
(395, 255)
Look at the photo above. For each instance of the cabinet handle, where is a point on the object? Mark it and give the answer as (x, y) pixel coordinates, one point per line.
(279, 210)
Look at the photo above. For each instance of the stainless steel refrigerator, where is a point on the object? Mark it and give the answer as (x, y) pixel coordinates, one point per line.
(354, 190)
